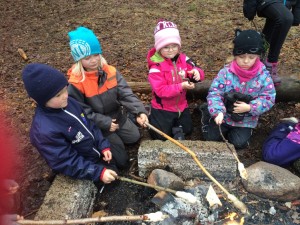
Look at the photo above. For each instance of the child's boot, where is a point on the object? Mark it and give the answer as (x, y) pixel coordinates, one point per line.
(273, 69)
(178, 133)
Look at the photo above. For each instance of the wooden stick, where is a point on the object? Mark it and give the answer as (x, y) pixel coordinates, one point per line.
(226, 142)
(83, 221)
(241, 167)
(238, 204)
(158, 216)
(147, 185)
(181, 194)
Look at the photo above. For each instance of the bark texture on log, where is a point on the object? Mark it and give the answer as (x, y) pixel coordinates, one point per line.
(289, 90)
(214, 156)
(68, 198)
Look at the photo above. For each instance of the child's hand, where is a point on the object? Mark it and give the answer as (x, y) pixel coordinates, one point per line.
(187, 85)
(114, 126)
(219, 118)
(109, 176)
(241, 107)
(142, 119)
(107, 156)
(196, 74)
(11, 186)
(10, 219)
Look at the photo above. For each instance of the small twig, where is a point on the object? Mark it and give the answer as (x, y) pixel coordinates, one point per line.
(132, 166)
(22, 54)
(133, 45)
(32, 212)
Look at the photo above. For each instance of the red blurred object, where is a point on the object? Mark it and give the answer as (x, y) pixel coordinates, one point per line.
(8, 187)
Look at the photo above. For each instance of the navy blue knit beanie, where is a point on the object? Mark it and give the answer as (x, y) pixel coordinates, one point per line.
(43, 82)
(248, 41)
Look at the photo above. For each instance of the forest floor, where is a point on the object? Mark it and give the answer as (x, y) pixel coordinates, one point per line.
(125, 29)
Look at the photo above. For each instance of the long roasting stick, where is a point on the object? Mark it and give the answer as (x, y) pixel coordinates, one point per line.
(236, 202)
(152, 217)
(181, 194)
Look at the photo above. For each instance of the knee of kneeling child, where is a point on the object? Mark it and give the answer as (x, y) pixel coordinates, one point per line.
(240, 144)
(134, 138)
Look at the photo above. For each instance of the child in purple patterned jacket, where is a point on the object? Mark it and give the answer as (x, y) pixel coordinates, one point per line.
(240, 92)
(282, 147)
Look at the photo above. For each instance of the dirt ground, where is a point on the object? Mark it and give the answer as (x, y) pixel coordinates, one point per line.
(125, 29)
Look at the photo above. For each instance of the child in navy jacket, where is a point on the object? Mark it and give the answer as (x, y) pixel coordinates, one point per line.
(60, 131)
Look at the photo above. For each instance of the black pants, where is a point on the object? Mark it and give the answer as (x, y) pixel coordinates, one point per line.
(165, 120)
(238, 136)
(128, 134)
(279, 20)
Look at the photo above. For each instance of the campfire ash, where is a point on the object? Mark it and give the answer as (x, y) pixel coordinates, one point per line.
(206, 210)
(181, 211)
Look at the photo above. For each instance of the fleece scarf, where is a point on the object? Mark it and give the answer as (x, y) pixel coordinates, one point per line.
(246, 75)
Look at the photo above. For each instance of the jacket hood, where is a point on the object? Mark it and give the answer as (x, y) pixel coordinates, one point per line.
(153, 57)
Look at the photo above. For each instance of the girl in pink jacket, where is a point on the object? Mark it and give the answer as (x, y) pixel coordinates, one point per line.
(171, 74)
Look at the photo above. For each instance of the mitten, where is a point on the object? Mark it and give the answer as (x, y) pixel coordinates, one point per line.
(230, 98)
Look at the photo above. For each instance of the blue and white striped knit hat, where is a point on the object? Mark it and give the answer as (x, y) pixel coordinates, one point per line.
(83, 43)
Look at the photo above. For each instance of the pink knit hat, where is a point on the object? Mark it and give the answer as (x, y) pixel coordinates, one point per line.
(166, 33)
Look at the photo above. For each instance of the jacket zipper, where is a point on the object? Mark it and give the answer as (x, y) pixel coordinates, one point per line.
(178, 97)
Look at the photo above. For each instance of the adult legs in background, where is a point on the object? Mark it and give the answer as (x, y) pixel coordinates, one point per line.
(279, 20)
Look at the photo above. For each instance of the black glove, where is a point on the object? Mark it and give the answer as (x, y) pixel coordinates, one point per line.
(230, 98)
(249, 9)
